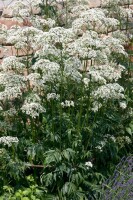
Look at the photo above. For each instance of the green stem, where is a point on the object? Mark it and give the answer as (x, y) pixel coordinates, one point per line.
(80, 112)
(61, 98)
(52, 116)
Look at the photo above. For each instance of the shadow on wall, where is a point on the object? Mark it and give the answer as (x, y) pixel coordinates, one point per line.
(4, 3)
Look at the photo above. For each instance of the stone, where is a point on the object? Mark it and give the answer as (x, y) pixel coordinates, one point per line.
(94, 3)
(9, 22)
(7, 13)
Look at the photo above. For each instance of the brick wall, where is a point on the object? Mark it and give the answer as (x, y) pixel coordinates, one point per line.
(6, 19)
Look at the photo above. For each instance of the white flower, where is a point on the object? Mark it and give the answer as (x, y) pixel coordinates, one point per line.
(71, 67)
(35, 80)
(10, 93)
(41, 23)
(96, 77)
(62, 35)
(10, 79)
(101, 145)
(96, 106)
(103, 73)
(67, 104)
(24, 37)
(121, 36)
(123, 105)
(113, 138)
(89, 164)
(11, 112)
(109, 91)
(34, 3)
(50, 70)
(86, 81)
(24, 12)
(8, 140)
(128, 140)
(10, 63)
(52, 96)
(33, 109)
(99, 148)
(115, 45)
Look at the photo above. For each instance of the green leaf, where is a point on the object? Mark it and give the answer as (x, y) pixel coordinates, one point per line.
(47, 179)
(131, 126)
(52, 156)
(77, 178)
(25, 198)
(26, 192)
(129, 131)
(18, 194)
(33, 197)
(69, 188)
(68, 153)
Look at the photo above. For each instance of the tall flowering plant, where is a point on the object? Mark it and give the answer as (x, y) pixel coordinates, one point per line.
(62, 128)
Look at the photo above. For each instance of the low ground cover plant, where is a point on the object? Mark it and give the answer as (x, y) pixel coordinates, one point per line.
(66, 115)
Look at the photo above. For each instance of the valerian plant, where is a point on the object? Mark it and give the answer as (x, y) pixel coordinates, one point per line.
(66, 106)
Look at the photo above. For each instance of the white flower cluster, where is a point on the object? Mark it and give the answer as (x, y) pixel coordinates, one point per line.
(109, 91)
(67, 104)
(10, 93)
(105, 140)
(51, 96)
(8, 140)
(89, 165)
(11, 112)
(95, 19)
(32, 98)
(10, 79)
(88, 46)
(71, 67)
(69, 52)
(34, 3)
(86, 81)
(23, 37)
(74, 7)
(13, 85)
(33, 109)
(61, 35)
(41, 23)
(105, 73)
(117, 8)
(47, 51)
(96, 106)
(114, 45)
(123, 105)
(128, 140)
(24, 8)
(52, 38)
(78, 9)
(19, 8)
(11, 63)
(50, 70)
(35, 80)
(91, 46)
(121, 36)
(115, 2)
(101, 145)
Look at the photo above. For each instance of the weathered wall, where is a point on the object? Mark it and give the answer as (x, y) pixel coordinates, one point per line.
(6, 19)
